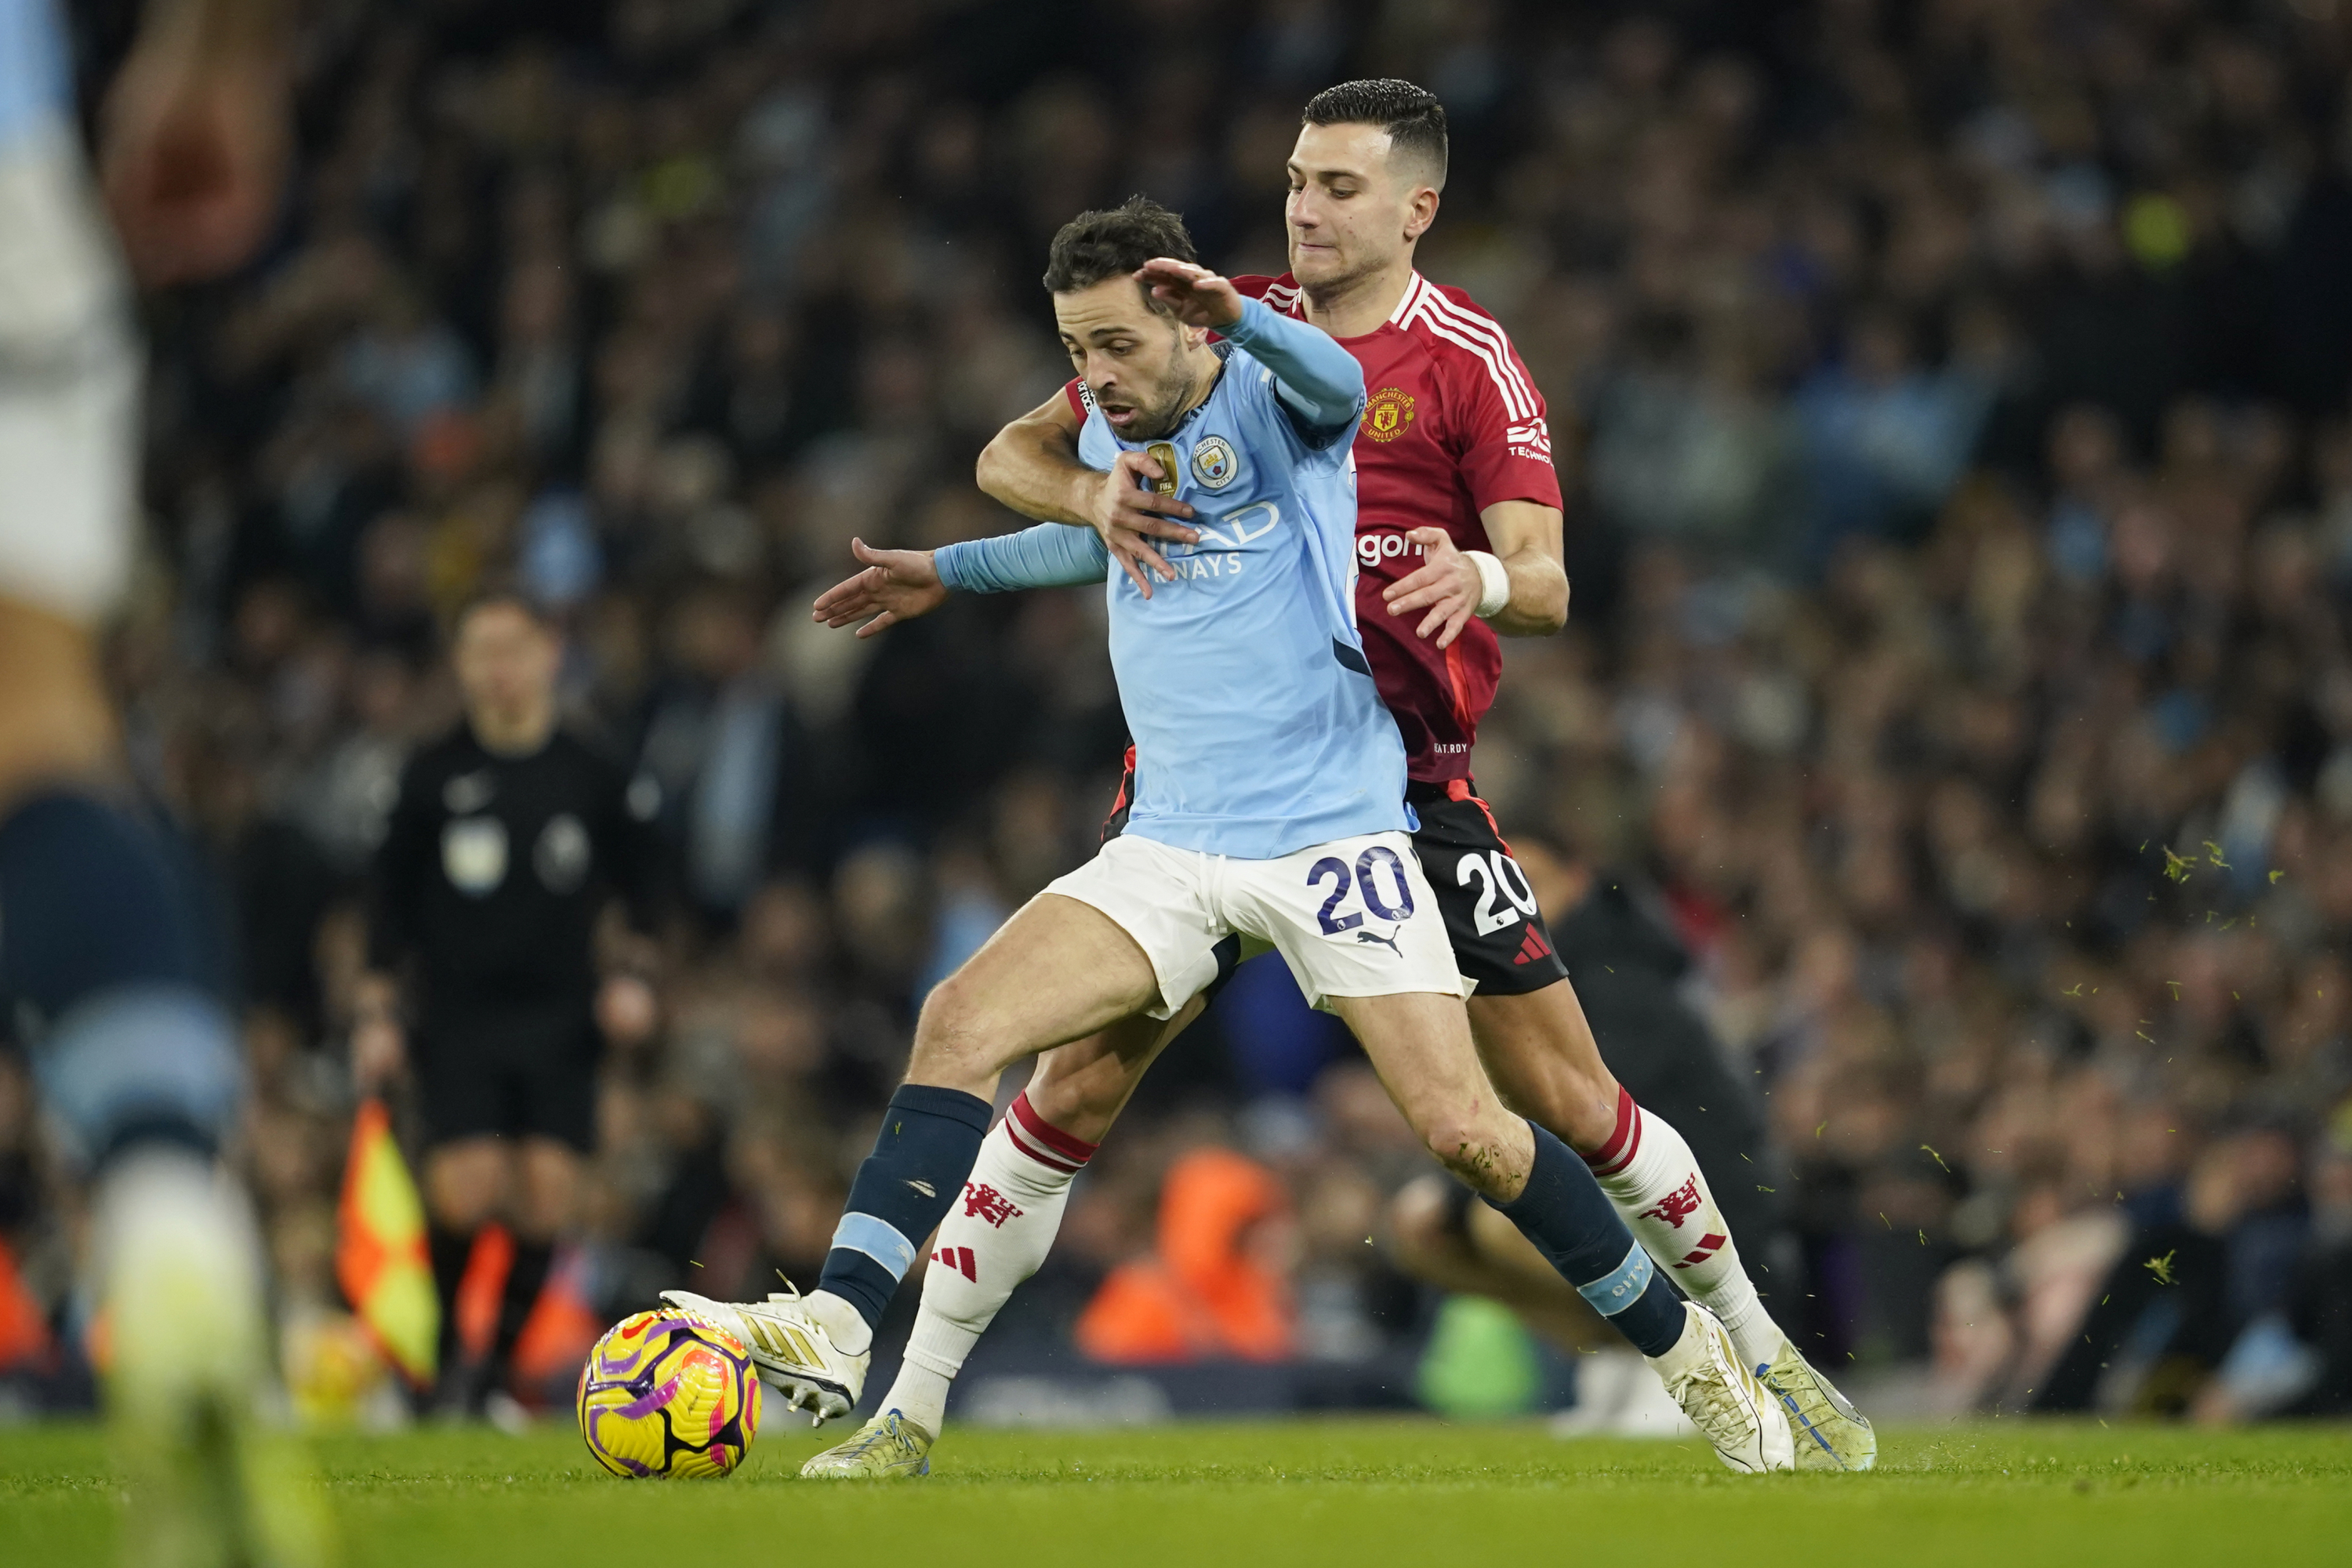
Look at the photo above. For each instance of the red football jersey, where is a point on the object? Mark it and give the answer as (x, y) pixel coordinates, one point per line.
(1452, 423)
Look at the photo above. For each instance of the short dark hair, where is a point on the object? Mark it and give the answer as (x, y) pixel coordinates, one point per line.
(1412, 116)
(1094, 245)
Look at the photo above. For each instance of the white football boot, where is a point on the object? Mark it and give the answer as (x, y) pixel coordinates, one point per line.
(179, 1270)
(796, 1353)
(1830, 1433)
(1724, 1400)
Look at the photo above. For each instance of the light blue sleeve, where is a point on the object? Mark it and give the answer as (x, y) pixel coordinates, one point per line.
(36, 81)
(1319, 384)
(1050, 555)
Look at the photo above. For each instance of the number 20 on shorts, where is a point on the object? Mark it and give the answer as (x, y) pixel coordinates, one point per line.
(1335, 870)
(1496, 872)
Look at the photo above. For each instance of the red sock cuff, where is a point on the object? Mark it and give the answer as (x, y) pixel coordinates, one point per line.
(1044, 1142)
(1623, 1143)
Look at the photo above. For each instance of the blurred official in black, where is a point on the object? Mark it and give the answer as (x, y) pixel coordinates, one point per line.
(510, 843)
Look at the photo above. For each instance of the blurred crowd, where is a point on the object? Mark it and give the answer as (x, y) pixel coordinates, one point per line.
(1951, 398)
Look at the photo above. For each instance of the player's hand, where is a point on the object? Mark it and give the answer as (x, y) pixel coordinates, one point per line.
(897, 585)
(626, 1010)
(1448, 586)
(1198, 295)
(1128, 515)
(192, 150)
(379, 1045)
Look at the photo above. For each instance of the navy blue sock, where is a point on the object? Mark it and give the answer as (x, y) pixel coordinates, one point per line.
(97, 947)
(928, 1141)
(1564, 1212)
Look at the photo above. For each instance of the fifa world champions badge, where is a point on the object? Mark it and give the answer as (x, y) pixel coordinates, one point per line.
(1164, 454)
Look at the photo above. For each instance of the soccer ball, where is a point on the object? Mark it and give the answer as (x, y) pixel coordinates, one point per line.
(668, 1393)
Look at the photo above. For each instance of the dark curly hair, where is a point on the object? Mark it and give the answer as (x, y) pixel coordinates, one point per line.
(1094, 245)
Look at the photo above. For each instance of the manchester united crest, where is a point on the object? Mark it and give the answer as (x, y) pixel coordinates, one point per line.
(1388, 413)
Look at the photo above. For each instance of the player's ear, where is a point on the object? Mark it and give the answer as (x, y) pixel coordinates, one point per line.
(1420, 212)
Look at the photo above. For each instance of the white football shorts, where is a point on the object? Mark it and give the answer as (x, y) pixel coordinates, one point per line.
(69, 387)
(1351, 918)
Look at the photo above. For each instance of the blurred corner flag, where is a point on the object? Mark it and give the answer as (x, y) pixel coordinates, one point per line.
(380, 1256)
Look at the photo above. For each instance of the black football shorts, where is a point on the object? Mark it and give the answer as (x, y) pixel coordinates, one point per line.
(509, 1073)
(1498, 935)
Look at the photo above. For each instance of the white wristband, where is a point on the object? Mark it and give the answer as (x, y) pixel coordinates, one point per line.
(1494, 582)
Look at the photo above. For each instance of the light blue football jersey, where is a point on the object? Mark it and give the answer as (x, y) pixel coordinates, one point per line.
(35, 86)
(1257, 728)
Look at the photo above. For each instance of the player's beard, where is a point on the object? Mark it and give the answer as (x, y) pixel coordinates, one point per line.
(1169, 412)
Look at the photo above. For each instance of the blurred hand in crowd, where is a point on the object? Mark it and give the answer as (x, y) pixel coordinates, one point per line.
(195, 137)
(627, 1011)
(379, 1044)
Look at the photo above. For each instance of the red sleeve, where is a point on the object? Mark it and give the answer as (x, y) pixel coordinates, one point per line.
(1504, 443)
(1081, 400)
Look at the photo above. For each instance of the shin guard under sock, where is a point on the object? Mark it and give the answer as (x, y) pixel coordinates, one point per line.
(1564, 1212)
(928, 1139)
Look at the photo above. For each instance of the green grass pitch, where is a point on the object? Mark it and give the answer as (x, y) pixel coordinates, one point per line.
(1351, 1492)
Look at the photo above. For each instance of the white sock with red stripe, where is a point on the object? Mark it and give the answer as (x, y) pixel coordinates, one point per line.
(1650, 1174)
(995, 1235)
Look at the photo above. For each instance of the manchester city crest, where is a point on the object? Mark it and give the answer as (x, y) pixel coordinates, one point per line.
(1213, 463)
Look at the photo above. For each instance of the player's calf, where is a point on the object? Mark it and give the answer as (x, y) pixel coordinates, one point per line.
(995, 1235)
(1081, 1088)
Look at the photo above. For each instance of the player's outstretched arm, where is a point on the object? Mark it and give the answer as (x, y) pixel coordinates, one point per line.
(1521, 589)
(1031, 466)
(1319, 384)
(900, 584)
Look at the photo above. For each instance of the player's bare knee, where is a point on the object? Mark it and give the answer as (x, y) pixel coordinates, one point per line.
(1456, 1144)
(56, 723)
(1467, 1147)
(954, 1037)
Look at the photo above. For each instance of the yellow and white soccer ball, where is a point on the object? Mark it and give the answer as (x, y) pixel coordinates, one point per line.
(668, 1393)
